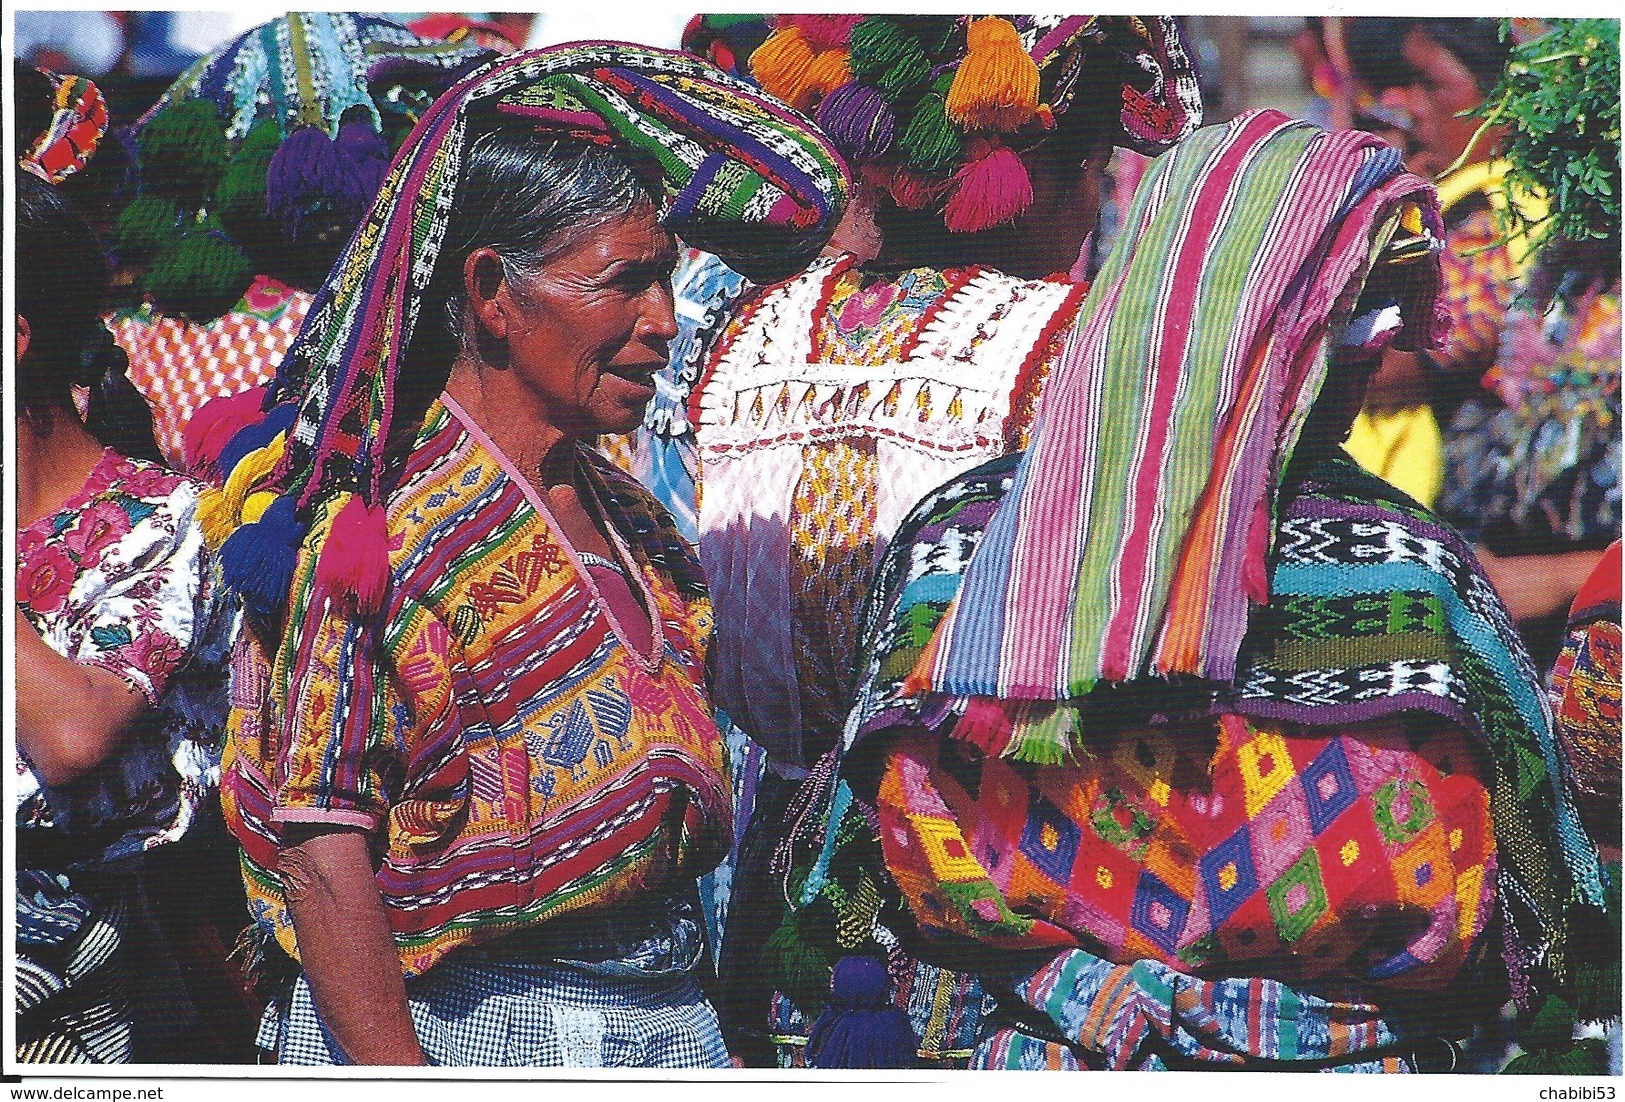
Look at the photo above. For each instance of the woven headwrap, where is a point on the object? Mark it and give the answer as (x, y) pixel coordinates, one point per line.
(286, 131)
(743, 177)
(78, 124)
(1135, 535)
(938, 106)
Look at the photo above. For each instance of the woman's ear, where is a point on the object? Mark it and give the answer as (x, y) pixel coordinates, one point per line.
(485, 283)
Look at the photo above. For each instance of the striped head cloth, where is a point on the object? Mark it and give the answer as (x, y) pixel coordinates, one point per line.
(936, 106)
(1134, 538)
(742, 176)
(78, 122)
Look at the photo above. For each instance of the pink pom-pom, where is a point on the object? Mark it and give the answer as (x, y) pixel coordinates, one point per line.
(213, 424)
(353, 568)
(993, 188)
(823, 32)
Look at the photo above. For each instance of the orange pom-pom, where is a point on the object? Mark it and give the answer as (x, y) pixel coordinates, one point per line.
(780, 64)
(830, 70)
(996, 87)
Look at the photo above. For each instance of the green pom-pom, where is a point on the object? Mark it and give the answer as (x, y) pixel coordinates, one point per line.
(146, 225)
(795, 965)
(889, 58)
(930, 142)
(200, 275)
(241, 194)
(183, 151)
(934, 32)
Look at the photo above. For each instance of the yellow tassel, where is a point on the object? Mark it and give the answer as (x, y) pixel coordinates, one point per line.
(214, 516)
(781, 63)
(222, 511)
(254, 505)
(830, 70)
(996, 87)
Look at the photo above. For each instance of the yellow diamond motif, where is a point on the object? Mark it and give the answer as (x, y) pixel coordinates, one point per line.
(1266, 768)
(1160, 792)
(1350, 852)
(1103, 876)
(1227, 876)
(1049, 838)
(1455, 840)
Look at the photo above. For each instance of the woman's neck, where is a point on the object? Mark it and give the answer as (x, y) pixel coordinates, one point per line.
(55, 455)
(541, 451)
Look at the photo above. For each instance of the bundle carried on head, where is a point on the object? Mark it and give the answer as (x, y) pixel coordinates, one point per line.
(275, 143)
(740, 176)
(937, 107)
(61, 119)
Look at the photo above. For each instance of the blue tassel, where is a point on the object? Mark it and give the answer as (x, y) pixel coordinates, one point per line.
(860, 1028)
(251, 438)
(257, 561)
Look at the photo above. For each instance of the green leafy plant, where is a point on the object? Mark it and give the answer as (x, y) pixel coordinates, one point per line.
(1558, 99)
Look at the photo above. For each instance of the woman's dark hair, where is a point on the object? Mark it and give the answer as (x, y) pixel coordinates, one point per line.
(1376, 49)
(62, 277)
(528, 197)
(1476, 43)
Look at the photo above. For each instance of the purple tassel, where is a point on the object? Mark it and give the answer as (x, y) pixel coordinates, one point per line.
(857, 120)
(362, 162)
(311, 171)
(860, 1028)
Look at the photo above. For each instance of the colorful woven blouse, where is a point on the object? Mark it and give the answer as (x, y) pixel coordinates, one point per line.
(1379, 770)
(833, 402)
(118, 578)
(515, 756)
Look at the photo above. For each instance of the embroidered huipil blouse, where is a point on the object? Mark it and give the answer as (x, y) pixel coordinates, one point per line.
(516, 752)
(118, 578)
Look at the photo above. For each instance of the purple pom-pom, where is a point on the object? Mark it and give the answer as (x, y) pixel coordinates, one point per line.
(857, 119)
(860, 1028)
(311, 172)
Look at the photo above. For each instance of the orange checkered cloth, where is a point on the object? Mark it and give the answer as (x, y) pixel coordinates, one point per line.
(177, 365)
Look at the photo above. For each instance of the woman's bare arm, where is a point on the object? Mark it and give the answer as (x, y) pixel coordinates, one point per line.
(70, 717)
(346, 947)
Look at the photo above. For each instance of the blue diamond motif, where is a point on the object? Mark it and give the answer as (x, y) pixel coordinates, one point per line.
(1150, 892)
(1328, 786)
(1054, 861)
(1236, 851)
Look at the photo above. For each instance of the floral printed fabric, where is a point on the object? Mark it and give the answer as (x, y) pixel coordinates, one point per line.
(118, 579)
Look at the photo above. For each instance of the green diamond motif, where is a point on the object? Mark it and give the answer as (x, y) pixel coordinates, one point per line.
(1294, 917)
(1399, 831)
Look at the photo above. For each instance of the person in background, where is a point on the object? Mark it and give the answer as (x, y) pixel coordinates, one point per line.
(472, 765)
(1128, 742)
(830, 402)
(119, 676)
(254, 167)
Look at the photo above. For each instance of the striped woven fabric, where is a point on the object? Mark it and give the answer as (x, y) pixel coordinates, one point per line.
(1136, 534)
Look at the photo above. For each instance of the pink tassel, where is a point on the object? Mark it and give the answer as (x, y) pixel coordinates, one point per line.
(823, 32)
(993, 189)
(354, 564)
(213, 424)
(986, 725)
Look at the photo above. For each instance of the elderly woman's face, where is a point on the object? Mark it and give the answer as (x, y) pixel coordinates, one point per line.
(588, 334)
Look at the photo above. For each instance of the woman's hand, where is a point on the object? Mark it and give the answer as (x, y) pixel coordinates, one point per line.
(70, 717)
(346, 947)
